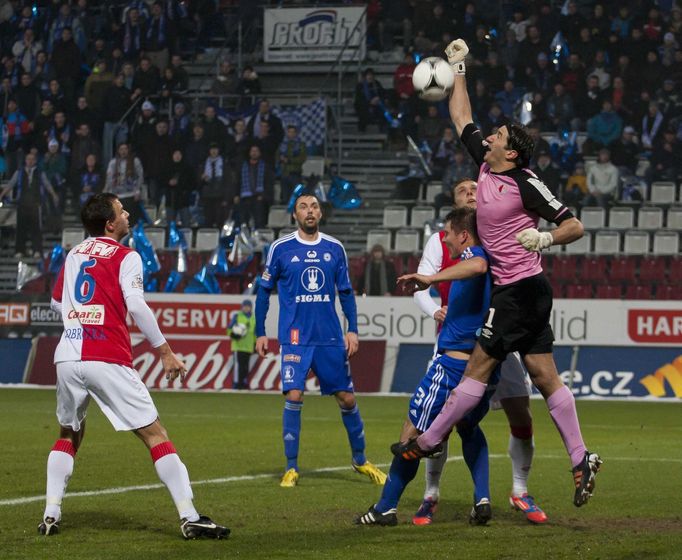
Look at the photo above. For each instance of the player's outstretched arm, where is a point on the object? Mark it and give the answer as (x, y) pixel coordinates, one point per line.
(460, 271)
(459, 105)
(567, 232)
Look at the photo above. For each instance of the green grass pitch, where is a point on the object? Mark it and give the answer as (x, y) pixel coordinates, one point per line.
(636, 512)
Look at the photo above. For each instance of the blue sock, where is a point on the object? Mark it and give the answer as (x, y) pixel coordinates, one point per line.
(291, 431)
(475, 451)
(356, 433)
(401, 474)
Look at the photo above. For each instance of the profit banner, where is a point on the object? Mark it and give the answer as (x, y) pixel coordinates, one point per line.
(314, 35)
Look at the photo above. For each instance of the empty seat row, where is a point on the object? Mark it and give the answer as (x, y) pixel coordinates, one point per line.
(625, 217)
(622, 269)
(397, 216)
(633, 242)
(404, 240)
(617, 291)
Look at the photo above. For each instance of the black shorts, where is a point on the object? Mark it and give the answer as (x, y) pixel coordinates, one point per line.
(518, 319)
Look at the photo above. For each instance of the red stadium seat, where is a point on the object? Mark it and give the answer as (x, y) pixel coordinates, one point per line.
(557, 288)
(666, 291)
(230, 285)
(579, 291)
(609, 291)
(564, 268)
(397, 261)
(623, 269)
(412, 264)
(652, 269)
(167, 260)
(639, 291)
(675, 270)
(593, 269)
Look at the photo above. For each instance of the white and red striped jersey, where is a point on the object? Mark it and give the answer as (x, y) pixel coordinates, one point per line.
(97, 278)
(435, 257)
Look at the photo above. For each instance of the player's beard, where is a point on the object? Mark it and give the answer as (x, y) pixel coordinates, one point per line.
(309, 230)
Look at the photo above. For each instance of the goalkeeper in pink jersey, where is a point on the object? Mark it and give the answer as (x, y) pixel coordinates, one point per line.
(510, 202)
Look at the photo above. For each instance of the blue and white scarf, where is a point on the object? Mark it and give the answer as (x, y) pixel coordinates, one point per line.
(247, 190)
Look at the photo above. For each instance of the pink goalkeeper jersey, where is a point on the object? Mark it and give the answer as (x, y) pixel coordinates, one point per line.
(507, 203)
(92, 286)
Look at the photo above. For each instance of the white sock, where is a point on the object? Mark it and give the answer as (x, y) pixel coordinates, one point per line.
(434, 470)
(174, 475)
(521, 453)
(59, 470)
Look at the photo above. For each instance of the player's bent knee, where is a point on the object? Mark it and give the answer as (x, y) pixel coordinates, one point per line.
(153, 434)
(345, 399)
(294, 395)
(517, 410)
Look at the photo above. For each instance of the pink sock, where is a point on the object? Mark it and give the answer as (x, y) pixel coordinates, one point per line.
(461, 401)
(561, 406)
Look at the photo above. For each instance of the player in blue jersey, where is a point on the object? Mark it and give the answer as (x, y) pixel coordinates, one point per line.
(308, 267)
(467, 304)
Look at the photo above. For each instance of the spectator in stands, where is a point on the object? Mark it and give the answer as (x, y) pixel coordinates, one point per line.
(443, 153)
(66, 58)
(226, 81)
(56, 95)
(462, 166)
(26, 51)
(84, 115)
(180, 72)
(249, 86)
(668, 100)
(170, 89)
(510, 52)
(16, 129)
(179, 126)
(493, 120)
(539, 143)
(30, 188)
(62, 131)
(256, 189)
(97, 85)
(573, 76)
(179, 182)
(116, 102)
(66, 20)
(508, 98)
(602, 129)
(130, 36)
(215, 188)
(292, 156)
(480, 101)
(431, 127)
(241, 140)
(625, 151)
(196, 151)
(403, 87)
(665, 160)
(144, 127)
(560, 111)
(653, 124)
(268, 144)
(159, 34)
(55, 167)
(28, 97)
(157, 158)
(602, 181)
(548, 173)
(215, 131)
(599, 70)
(83, 144)
(90, 179)
(265, 114)
(125, 177)
(369, 101)
(147, 80)
(590, 103)
(540, 77)
(380, 276)
(43, 72)
(42, 124)
(576, 189)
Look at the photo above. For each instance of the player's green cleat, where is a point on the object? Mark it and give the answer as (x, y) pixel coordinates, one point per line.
(290, 479)
(374, 473)
(49, 526)
(583, 477)
(203, 527)
(373, 517)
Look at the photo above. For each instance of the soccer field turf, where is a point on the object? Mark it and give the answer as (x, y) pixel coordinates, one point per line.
(232, 447)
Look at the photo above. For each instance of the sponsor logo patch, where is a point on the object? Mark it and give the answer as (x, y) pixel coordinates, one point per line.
(295, 259)
(293, 337)
(312, 279)
(288, 373)
(97, 248)
(87, 315)
(137, 282)
(291, 358)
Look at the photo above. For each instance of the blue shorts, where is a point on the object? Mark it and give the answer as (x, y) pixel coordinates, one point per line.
(442, 377)
(329, 364)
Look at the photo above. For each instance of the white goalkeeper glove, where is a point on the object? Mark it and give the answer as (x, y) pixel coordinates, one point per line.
(457, 51)
(534, 240)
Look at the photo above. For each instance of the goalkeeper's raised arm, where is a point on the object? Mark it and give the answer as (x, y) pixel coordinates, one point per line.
(460, 107)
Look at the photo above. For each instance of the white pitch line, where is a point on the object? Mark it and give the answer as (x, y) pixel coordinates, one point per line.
(246, 478)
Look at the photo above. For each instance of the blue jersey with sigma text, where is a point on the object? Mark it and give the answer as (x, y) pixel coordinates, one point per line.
(307, 275)
(468, 303)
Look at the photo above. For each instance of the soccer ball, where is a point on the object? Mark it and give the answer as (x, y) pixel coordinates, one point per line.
(239, 330)
(433, 79)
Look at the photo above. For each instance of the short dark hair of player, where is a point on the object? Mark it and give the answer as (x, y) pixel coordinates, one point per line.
(306, 194)
(519, 140)
(97, 211)
(458, 183)
(463, 219)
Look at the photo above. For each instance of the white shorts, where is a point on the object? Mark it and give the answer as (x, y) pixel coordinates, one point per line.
(514, 381)
(117, 389)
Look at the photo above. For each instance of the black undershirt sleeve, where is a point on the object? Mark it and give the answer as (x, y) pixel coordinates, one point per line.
(473, 140)
(538, 198)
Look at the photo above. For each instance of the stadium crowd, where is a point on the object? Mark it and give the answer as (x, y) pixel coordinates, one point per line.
(609, 71)
(94, 97)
